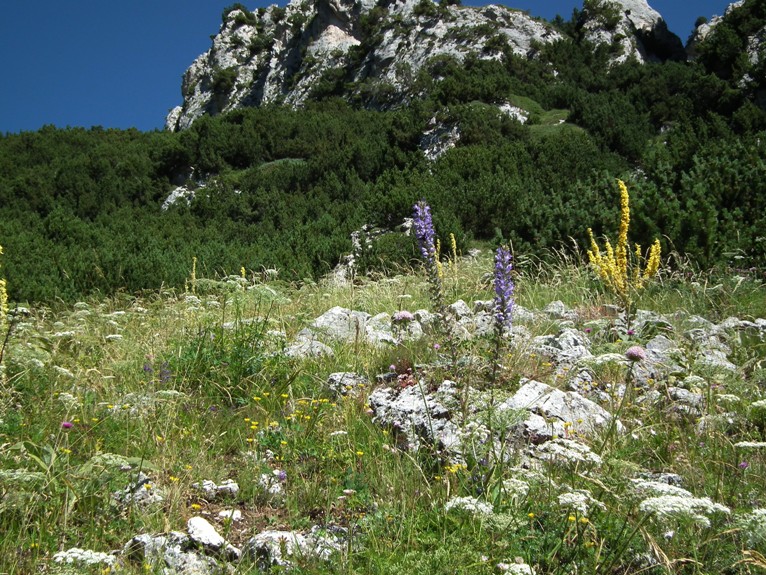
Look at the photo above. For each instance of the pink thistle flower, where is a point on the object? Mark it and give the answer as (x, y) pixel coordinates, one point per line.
(635, 353)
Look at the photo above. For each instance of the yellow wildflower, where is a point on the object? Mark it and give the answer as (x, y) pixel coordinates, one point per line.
(612, 265)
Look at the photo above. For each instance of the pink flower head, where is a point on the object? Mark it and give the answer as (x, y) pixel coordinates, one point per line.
(403, 316)
(635, 353)
(67, 424)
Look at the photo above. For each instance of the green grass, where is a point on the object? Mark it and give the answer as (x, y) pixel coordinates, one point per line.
(196, 387)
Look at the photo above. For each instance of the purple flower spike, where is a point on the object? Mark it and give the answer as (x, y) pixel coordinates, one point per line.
(424, 232)
(503, 288)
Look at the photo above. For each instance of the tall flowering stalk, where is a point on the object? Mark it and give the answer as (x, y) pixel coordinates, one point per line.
(426, 236)
(503, 301)
(624, 278)
(5, 328)
(3, 299)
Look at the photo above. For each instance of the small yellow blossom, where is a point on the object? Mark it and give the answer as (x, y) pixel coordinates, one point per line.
(572, 518)
(196, 506)
(531, 515)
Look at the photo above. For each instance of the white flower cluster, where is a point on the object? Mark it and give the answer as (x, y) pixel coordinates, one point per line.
(516, 568)
(566, 451)
(668, 507)
(515, 489)
(658, 488)
(69, 401)
(75, 555)
(474, 432)
(579, 500)
(470, 504)
(753, 526)
(750, 444)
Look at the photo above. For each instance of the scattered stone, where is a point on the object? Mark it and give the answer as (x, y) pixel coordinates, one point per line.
(556, 412)
(558, 310)
(173, 552)
(232, 515)
(202, 533)
(345, 382)
(307, 346)
(279, 548)
(565, 348)
(416, 414)
(342, 324)
(142, 492)
(211, 490)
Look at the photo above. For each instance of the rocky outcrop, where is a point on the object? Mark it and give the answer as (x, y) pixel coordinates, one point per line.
(284, 54)
(703, 30)
(633, 27)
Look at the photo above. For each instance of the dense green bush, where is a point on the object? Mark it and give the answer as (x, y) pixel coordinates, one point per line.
(282, 188)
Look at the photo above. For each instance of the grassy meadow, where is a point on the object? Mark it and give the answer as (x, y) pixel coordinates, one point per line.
(190, 385)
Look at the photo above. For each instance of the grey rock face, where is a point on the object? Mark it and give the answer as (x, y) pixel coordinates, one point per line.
(306, 345)
(281, 54)
(636, 27)
(345, 383)
(174, 552)
(556, 413)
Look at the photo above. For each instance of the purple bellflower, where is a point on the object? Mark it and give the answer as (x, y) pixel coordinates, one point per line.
(424, 232)
(503, 289)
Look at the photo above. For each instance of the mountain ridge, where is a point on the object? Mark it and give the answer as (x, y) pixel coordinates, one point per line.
(373, 51)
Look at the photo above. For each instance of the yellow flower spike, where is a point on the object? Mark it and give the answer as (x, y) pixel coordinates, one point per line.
(614, 268)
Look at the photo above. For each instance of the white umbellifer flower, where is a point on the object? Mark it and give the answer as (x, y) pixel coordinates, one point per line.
(516, 568)
(63, 371)
(580, 501)
(63, 334)
(75, 555)
(728, 398)
(69, 400)
(658, 488)
(751, 444)
(470, 504)
(516, 488)
(668, 507)
(753, 527)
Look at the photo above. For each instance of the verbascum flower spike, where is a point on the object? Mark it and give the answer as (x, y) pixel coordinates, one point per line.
(453, 251)
(614, 267)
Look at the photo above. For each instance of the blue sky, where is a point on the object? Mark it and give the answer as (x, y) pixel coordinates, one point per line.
(119, 64)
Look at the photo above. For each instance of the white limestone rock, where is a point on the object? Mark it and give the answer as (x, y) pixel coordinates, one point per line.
(638, 30)
(257, 59)
(202, 533)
